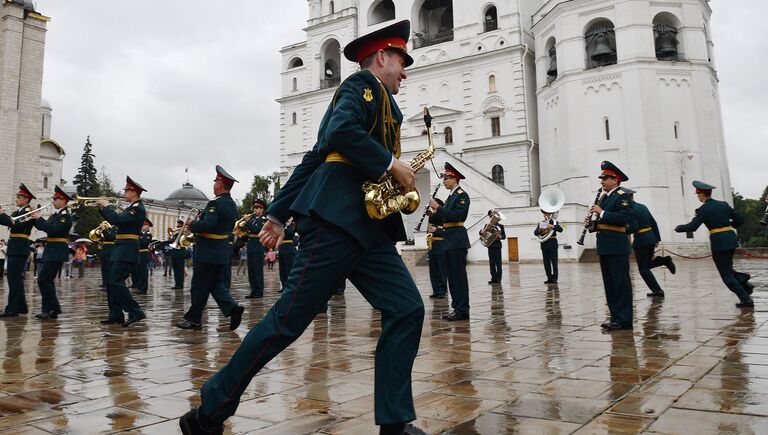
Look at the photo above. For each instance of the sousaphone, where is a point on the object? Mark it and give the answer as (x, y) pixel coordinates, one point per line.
(550, 201)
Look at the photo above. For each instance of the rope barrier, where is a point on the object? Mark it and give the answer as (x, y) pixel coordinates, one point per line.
(744, 253)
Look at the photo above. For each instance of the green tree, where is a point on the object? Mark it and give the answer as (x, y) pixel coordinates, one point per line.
(85, 180)
(106, 188)
(751, 234)
(260, 189)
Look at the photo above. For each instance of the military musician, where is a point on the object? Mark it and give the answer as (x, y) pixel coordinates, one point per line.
(438, 276)
(549, 247)
(125, 254)
(453, 214)
(18, 252)
(108, 237)
(358, 140)
(494, 249)
(57, 228)
(178, 256)
(721, 219)
(212, 256)
(255, 250)
(142, 269)
(614, 211)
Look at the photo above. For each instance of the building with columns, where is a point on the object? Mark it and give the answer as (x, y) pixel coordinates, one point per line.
(532, 94)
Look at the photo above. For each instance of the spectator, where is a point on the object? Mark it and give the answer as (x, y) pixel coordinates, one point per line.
(81, 255)
(243, 260)
(39, 248)
(271, 259)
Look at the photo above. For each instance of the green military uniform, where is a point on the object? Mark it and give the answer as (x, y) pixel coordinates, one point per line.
(107, 244)
(16, 257)
(613, 249)
(255, 256)
(177, 256)
(125, 255)
(494, 255)
(142, 266)
(549, 251)
(438, 275)
(56, 252)
(721, 219)
(646, 236)
(453, 214)
(356, 141)
(211, 259)
(286, 252)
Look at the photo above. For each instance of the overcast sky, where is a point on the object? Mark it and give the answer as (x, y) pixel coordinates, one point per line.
(167, 84)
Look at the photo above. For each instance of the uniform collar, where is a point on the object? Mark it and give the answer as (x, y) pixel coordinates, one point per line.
(455, 189)
(613, 190)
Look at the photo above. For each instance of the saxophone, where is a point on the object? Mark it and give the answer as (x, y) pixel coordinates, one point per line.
(386, 197)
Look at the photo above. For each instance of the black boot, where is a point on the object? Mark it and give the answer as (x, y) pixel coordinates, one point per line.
(196, 423)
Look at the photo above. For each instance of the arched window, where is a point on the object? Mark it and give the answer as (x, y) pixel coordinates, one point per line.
(552, 50)
(294, 118)
(295, 84)
(491, 21)
(382, 11)
(677, 130)
(607, 124)
(331, 7)
(497, 175)
(448, 135)
(492, 83)
(295, 63)
(495, 126)
(434, 24)
(665, 28)
(600, 42)
(331, 74)
(45, 183)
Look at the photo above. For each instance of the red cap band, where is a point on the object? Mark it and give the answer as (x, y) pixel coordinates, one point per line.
(611, 173)
(24, 193)
(60, 196)
(380, 44)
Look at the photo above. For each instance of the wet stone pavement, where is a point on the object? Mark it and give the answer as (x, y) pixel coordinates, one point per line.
(531, 360)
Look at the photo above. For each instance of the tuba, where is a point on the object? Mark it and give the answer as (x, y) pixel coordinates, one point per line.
(386, 197)
(490, 233)
(550, 201)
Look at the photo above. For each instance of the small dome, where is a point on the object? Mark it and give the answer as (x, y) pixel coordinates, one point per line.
(28, 5)
(187, 193)
(44, 104)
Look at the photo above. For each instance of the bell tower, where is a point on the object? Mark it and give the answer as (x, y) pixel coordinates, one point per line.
(633, 83)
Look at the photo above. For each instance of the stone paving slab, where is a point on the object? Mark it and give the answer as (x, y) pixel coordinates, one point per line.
(532, 359)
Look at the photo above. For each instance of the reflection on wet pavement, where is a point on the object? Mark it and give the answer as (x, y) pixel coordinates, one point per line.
(531, 360)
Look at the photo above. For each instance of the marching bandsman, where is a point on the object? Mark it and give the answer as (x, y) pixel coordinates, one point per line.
(720, 219)
(125, 254)
(108, 237)
(453, 214)
(287, 251)
(645, 239)
(212, 256)
(614, 212)
(438, 276)
(357, 141)
(549, 247)
(56, 252)
(494, 251)
(255, 250)
(177, 256)
(142, 269)
(18, 251)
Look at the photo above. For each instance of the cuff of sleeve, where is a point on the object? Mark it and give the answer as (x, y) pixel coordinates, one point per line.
(389, 168)
(274, 220)
(602, 213)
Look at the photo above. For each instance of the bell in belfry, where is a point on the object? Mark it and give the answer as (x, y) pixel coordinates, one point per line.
(666, 41)
(602, 45)
(552, 71)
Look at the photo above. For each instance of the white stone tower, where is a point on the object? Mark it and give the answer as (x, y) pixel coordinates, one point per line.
(634, 83)
(22, 46)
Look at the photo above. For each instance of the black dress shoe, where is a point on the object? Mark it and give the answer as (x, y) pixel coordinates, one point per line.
(9, 314)
(748, 304)
(749, 288)
(455, 317)
(655, 294)
(437, 296)
(547, 282)
(133, 320)
(254, 296)
(111, 321)
(176, 288)
(235, 317)
(617, 327)
(186, 324)
(192, 422)
(47, 316)
(670, 264)
(605, 324)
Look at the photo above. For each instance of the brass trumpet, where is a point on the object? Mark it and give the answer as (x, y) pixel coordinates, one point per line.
(26, 216)
(92, 201)
(240, 230)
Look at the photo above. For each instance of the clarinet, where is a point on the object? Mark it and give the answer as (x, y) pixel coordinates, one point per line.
(590, 226)
(421, 221)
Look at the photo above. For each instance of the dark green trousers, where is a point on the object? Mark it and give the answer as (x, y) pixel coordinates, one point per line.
(106, 266)
(142, 277)
(494, 262)
(284, 267)
(256, 273)
(732, 279)
(45, 277)
(437, 274)
(457, 280)
(550, 263)
(326, 256)
(209, 279)
(17, 301)
(618, 287)
(177, 263)
(119, 298)
(646, 262)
